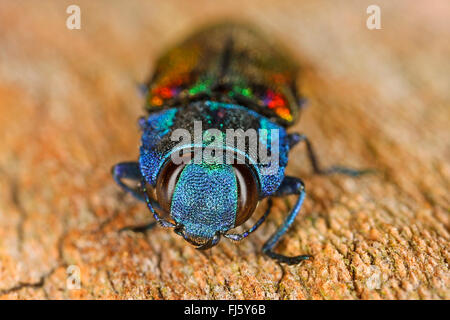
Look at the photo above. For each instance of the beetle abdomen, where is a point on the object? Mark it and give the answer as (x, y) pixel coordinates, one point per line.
(227, 63)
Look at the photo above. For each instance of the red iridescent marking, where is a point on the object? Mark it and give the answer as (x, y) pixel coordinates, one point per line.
(277, 102)
(166, 92)
(161, 93)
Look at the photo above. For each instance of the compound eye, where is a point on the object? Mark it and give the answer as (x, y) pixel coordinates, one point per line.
(166, 182)
(247, 193)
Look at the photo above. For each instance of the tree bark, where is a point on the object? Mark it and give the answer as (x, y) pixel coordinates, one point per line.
(377, 99)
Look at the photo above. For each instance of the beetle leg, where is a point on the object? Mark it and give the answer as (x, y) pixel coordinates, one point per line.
(303, 102)
(141, 228)
(142, 89)
(239, 237)
(290, 185)
(295, 138)
(128, 170)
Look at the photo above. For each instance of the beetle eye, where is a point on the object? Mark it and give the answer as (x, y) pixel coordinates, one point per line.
(165, 184)
(247, 191)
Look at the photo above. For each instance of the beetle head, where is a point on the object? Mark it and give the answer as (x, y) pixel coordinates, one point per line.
(206, 200)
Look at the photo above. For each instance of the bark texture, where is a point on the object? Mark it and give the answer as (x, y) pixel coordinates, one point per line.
(378, 98)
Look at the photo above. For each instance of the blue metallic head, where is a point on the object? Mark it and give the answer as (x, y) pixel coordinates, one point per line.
(204, 202)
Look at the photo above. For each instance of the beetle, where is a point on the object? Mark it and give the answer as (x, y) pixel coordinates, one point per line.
(226, 76)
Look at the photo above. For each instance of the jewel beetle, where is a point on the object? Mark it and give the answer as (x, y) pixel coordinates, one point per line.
(226, 76)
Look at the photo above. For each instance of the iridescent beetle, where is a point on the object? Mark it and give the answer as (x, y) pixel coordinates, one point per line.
(226, 76)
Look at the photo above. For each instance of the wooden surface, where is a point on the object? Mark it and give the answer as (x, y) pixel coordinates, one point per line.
(68, 110)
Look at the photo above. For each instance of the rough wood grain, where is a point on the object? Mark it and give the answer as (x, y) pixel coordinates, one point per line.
(68, 110)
